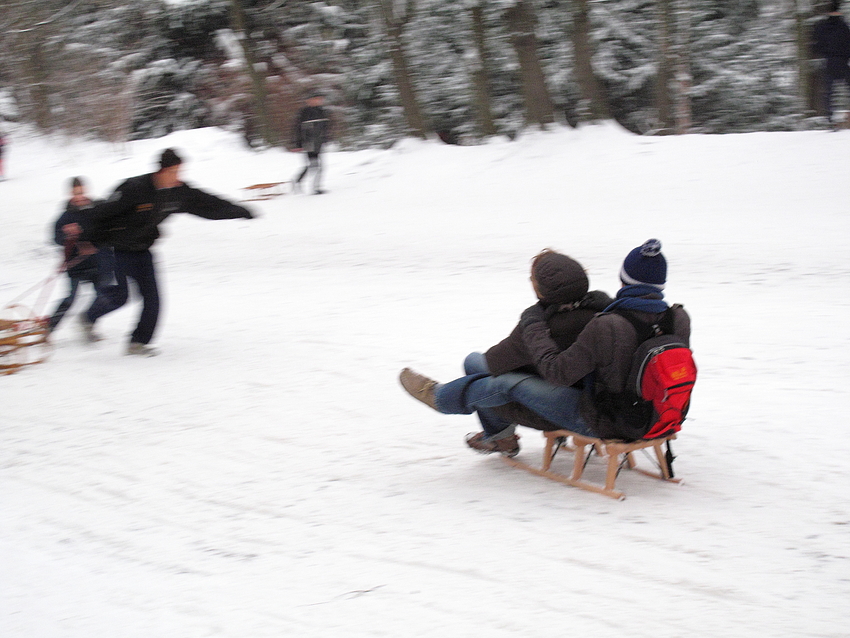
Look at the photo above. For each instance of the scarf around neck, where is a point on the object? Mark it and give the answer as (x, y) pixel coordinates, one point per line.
(640, 297)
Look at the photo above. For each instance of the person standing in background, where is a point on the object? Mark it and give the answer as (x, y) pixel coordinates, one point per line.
(312, 128)
(831, 40)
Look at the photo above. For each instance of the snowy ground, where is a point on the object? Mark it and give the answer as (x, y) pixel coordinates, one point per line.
(266, 476)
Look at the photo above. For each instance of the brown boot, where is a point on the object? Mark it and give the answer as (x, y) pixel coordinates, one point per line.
(480, 442)
(418, 386)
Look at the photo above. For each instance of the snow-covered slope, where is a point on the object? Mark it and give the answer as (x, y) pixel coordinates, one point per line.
(266, 476)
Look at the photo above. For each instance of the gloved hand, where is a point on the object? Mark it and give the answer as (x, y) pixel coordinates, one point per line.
(533, 314)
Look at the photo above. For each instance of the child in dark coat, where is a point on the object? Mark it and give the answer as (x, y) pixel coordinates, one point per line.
(82, 261)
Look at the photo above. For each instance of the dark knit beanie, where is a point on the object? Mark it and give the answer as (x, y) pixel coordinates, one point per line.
(645, 265)
(169, 158)
(559, 279)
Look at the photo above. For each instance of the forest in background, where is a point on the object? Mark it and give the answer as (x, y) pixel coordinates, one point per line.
(463, 70)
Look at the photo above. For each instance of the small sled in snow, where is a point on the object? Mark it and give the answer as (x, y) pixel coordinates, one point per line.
(23, 339)
(619, 454)
(262, 192)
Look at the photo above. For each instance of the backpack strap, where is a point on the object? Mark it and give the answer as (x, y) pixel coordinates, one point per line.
(664, 326)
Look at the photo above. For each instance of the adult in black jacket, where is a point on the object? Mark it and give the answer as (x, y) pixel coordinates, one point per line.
(831, 40)
(129, 222)
(312, 128)
(82, 261)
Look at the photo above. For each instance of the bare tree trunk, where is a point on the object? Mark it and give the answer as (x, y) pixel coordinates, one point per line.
(663, 99)
(404, 82)
(258, 79)
(683, 69)
(481, 75)
(38, 83)
(538, 103)
(594, 103)
(807, 78)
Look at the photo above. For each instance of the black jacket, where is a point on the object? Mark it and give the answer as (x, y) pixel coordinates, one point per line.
(74, 215)
(831, 38)
(129, 219)
(312, 128)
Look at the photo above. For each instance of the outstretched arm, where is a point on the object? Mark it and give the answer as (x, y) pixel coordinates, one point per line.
(208, 206)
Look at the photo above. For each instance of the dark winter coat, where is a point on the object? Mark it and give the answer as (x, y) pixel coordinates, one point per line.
(561, 284)
(80, 267)
(604, 349)
(831, 38)
(565, 322)
(312, 128)
(129, 219)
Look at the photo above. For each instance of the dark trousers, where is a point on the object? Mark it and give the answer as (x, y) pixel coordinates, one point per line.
(837, 70)
(139, 267)
(74, 279)
(314, 161)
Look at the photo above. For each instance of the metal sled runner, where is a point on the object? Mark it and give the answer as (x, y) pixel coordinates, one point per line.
(619, 455)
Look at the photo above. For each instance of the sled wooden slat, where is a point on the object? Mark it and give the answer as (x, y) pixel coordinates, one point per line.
(619, 454)
(23, 342)
(262, 192)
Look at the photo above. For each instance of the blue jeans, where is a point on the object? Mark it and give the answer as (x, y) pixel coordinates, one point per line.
(479, 390)
(476, 363)
(100, 275)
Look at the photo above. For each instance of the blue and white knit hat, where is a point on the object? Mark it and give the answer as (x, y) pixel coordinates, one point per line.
(645, 265)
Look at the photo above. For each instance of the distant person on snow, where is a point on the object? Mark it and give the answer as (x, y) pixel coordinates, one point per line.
(600, 358)
(561, 286)
(129, 222)
(311, 131)
(83, 262)
(831, 40)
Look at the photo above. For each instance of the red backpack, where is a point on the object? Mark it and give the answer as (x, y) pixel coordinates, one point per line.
(657, 395)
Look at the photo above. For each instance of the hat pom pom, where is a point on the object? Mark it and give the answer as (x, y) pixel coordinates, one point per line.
(651, 248)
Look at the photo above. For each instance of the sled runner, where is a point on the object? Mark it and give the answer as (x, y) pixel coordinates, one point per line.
(619, 455)
(23, 339)
(262, 192)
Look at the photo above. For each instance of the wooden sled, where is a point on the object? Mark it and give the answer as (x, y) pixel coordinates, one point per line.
(619, 455)
(23, 339)
(262, 192)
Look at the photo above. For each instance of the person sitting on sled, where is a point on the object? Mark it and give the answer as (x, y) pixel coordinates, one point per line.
(603, 349)
(82, 261)
(561, 286)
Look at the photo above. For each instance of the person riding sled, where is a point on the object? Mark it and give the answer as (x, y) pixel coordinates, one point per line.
(563, 392)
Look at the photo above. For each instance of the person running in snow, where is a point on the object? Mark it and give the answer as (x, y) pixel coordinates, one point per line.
(603, 349)
(561, 286)
(129, 222)
(311, 131)
(83, 262)
(831, 40)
